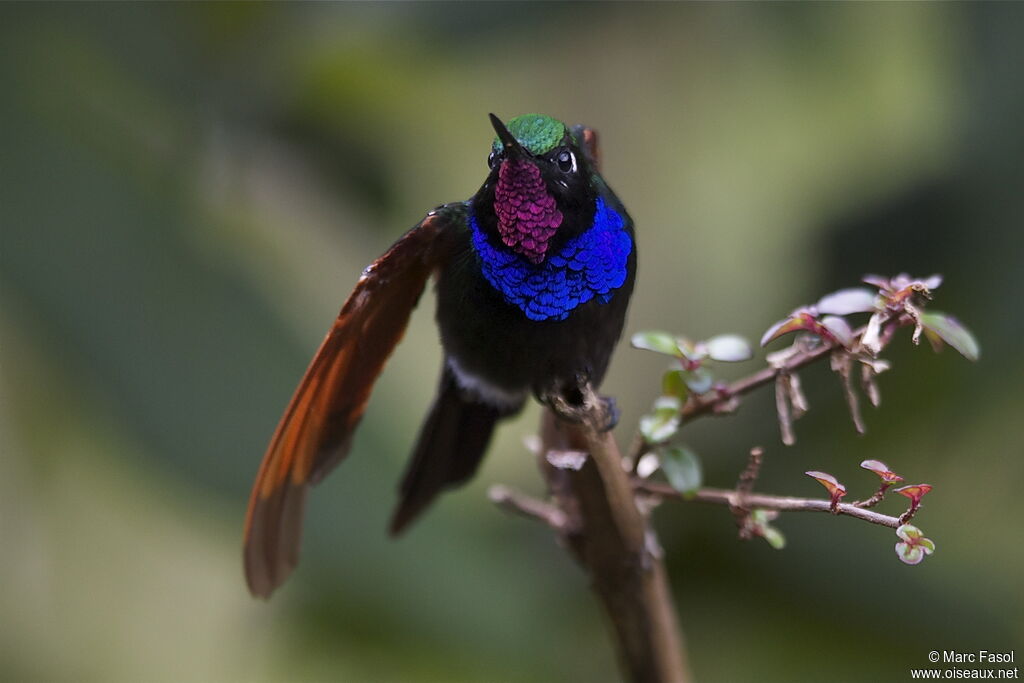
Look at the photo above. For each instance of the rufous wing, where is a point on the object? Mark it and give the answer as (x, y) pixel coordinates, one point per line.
(315, 432)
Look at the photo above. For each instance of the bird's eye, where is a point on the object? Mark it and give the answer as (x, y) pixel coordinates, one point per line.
(492, 158)
(566, 161)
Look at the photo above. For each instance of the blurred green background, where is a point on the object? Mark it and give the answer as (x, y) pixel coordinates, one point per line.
(188, 192)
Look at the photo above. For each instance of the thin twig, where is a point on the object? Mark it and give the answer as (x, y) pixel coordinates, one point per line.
(909, 514)
(724, 399)
(874, 499)
(716, 402)
(705, 404)
(521, 504)
(782, 407)
(740, 508)
(761, 501)
(842, 364)
(745, 485)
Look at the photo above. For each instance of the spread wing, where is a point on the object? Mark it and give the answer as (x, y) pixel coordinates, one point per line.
(315, 432)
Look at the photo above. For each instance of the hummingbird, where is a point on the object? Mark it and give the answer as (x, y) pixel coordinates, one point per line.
(533, 277)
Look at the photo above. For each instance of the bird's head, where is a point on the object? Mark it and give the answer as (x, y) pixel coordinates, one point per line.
(541, 187)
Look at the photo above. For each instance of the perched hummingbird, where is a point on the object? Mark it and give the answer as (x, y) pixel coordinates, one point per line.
(534, 274)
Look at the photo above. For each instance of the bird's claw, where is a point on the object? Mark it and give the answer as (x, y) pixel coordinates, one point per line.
(610, 413)
(581, 404)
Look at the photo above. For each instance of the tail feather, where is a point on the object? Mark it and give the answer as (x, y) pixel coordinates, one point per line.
(451, 444)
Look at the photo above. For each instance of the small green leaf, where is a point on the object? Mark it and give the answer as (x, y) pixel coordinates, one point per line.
(760, 522)
(952, 332)
(682, 469)
(846, 301)
(663, 423)
(667, 403)
(656, 430)
(699, 381)
(913, 546)
(691, 351)
(654, 340)
(647, 465)
(774, 537)
(910, 554)
(674, 384)
(729, 348)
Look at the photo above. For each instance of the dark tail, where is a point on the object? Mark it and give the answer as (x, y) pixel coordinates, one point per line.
(451, 445)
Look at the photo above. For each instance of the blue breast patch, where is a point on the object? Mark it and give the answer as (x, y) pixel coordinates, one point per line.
(592, 264)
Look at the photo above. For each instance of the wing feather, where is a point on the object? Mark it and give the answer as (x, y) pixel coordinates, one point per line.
(315, 432)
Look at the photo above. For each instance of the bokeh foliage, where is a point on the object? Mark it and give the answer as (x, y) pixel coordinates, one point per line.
(187, 192)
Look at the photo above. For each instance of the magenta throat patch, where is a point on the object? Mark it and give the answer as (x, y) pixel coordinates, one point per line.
(527, 215)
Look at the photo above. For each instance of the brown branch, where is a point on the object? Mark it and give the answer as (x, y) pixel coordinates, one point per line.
(909, 514)
(611, 538)
(761, 501)
(601, 519)
(783, 408)
(842, 364)
(725, 399)
(744, 487)
(708, 403)
(748, 476)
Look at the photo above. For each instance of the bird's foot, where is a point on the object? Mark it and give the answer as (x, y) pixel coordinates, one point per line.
(610, 412)
(579, 403)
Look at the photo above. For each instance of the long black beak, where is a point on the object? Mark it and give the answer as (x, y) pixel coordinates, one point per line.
(512, 146)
